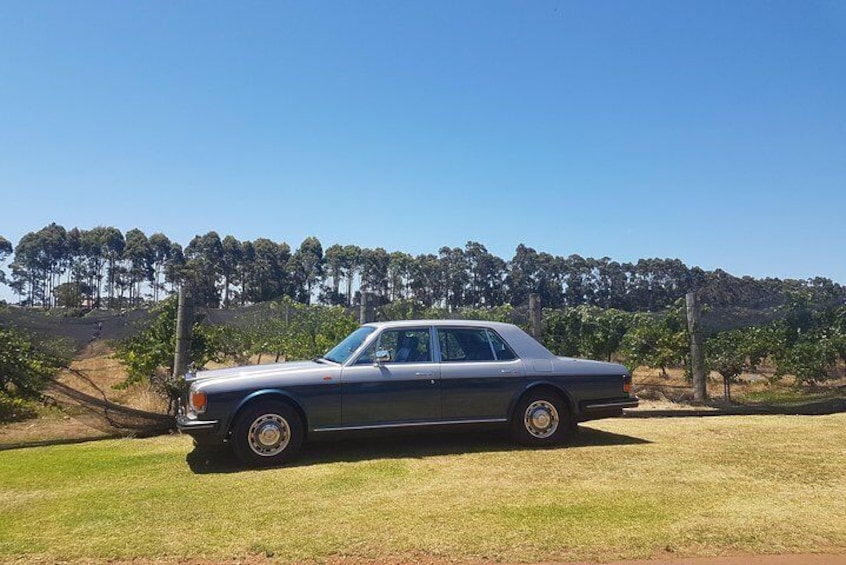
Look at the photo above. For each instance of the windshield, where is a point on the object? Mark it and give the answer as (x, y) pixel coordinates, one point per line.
(347, 347)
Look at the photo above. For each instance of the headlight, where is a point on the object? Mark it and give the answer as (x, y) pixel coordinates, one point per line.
(196, 401)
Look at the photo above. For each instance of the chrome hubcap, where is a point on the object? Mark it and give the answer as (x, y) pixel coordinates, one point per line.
(269, 435)
(541, 419)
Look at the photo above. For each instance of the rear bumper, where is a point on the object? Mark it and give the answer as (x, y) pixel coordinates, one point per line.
(619, 404)
(608, 408)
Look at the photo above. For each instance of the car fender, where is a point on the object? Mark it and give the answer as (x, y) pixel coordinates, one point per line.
(533, 384)
(268, 394)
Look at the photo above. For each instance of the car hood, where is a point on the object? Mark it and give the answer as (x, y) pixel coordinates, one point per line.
(256, 371)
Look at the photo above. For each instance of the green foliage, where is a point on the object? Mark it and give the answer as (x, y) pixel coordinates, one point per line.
(15, 409)
(585, 331)
(149, 353)
(727, 353)
(657, 341)
(71, 295)
(732, 352)
(405, 309)
(295, 330)
(495, 314)
(812, 357)
(26, 366)
(809, 341)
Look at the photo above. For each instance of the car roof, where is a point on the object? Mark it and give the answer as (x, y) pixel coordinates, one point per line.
(523, 344)
(437, 322)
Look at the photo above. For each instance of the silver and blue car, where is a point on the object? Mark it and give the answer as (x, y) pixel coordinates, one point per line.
(408, 374)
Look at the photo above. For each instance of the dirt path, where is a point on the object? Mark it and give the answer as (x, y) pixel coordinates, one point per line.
(805, 559)
(742, 560)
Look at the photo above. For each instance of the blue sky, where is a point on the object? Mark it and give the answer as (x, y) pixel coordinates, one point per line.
(714, 131)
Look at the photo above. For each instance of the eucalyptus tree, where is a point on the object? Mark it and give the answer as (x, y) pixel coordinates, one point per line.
(579, 281)
(374, 271)
(112, 244)
(246, 266)
(610, 284)
(352, 261)
(174, 267)
(335, 270)
(55, 242)
(6, 250)
(265, 276)
(456, 276)
(91, 250)
(75, 265)
(39, 262)
(427, 281)
(203, 258)
(29, 268)
(160, 246)
(306, 268)
(399, 274)
(486, 273)
(139, 257)
(229, 266)
(530, 271)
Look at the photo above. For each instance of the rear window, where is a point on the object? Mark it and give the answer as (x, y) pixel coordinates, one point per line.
(472, 344)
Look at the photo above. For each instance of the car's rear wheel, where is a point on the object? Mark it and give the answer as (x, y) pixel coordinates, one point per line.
(268, 433)
(541, 418)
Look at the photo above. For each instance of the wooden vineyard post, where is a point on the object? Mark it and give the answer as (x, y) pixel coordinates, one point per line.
(697, 351)
(366, 314)
(535, 315)
(184, 326)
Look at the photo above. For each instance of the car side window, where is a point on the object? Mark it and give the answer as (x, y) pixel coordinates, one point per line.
(463, 344)
(404, 346)
(501, 350)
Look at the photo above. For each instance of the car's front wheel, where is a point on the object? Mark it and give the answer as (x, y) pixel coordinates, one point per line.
(267, 433)
(541, 418)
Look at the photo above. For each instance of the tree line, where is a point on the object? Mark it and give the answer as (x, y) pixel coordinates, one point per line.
(103, 267)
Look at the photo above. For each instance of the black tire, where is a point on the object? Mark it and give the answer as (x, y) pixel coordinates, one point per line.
(266, 434)
(541, 418)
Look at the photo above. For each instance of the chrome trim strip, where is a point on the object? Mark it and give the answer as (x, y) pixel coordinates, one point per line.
(620, 404)
(411, 425)
(188, 424)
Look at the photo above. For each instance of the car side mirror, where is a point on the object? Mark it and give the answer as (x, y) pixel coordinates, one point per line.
(382, 356)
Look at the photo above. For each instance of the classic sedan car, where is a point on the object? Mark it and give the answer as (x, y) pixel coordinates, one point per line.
(406, 374)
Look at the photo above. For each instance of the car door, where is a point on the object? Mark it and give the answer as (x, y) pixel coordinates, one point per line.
(402, 388)
(480, 374)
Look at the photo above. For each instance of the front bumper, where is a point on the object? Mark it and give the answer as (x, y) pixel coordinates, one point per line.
(195, 427)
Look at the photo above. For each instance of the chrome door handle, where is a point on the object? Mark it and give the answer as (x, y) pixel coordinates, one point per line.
(509, 372)
(424, 374)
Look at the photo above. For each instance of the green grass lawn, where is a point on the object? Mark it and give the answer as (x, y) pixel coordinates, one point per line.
(622, 489)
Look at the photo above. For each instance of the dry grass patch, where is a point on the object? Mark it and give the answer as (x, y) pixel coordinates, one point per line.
(623, 489)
